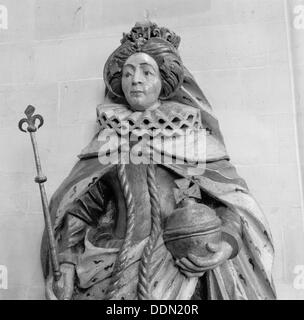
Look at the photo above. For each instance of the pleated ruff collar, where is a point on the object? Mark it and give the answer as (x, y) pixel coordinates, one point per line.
(168, 119)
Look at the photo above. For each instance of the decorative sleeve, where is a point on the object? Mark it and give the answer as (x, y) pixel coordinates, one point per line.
(85, 211)
(231, 229)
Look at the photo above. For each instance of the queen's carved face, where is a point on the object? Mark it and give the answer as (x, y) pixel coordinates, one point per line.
(141, 82)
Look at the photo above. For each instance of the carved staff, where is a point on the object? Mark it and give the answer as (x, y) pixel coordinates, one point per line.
(40, 179)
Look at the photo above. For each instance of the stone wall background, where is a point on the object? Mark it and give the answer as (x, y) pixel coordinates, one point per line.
(52, 56)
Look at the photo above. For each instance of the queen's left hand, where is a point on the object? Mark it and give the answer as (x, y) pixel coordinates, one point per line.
(194, 266)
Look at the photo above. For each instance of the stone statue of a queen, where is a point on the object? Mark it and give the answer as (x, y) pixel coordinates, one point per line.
(153, 209)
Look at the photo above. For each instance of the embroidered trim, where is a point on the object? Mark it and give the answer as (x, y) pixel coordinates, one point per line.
(152, 122)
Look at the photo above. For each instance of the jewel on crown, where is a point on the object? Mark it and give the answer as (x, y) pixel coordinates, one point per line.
(143, 31)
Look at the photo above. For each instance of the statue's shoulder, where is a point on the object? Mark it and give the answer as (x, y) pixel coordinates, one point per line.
(111, 108)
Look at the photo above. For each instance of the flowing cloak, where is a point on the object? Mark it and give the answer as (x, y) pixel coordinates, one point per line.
(246, 276)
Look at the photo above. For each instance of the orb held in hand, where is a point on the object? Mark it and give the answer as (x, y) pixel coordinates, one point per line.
(190, 228)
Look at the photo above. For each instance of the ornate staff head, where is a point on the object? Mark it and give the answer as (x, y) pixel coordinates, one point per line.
(30, 120)
(41, 178)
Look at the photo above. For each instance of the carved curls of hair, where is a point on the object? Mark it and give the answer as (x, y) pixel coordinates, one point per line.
(166, 56)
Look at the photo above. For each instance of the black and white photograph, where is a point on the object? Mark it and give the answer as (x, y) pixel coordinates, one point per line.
(152, 150)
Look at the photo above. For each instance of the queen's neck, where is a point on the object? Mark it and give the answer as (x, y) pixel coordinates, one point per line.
(153, 107)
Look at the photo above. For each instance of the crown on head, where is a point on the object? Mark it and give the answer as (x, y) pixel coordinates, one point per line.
(143, 31)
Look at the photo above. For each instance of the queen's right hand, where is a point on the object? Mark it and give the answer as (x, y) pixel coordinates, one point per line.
(64, 287)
